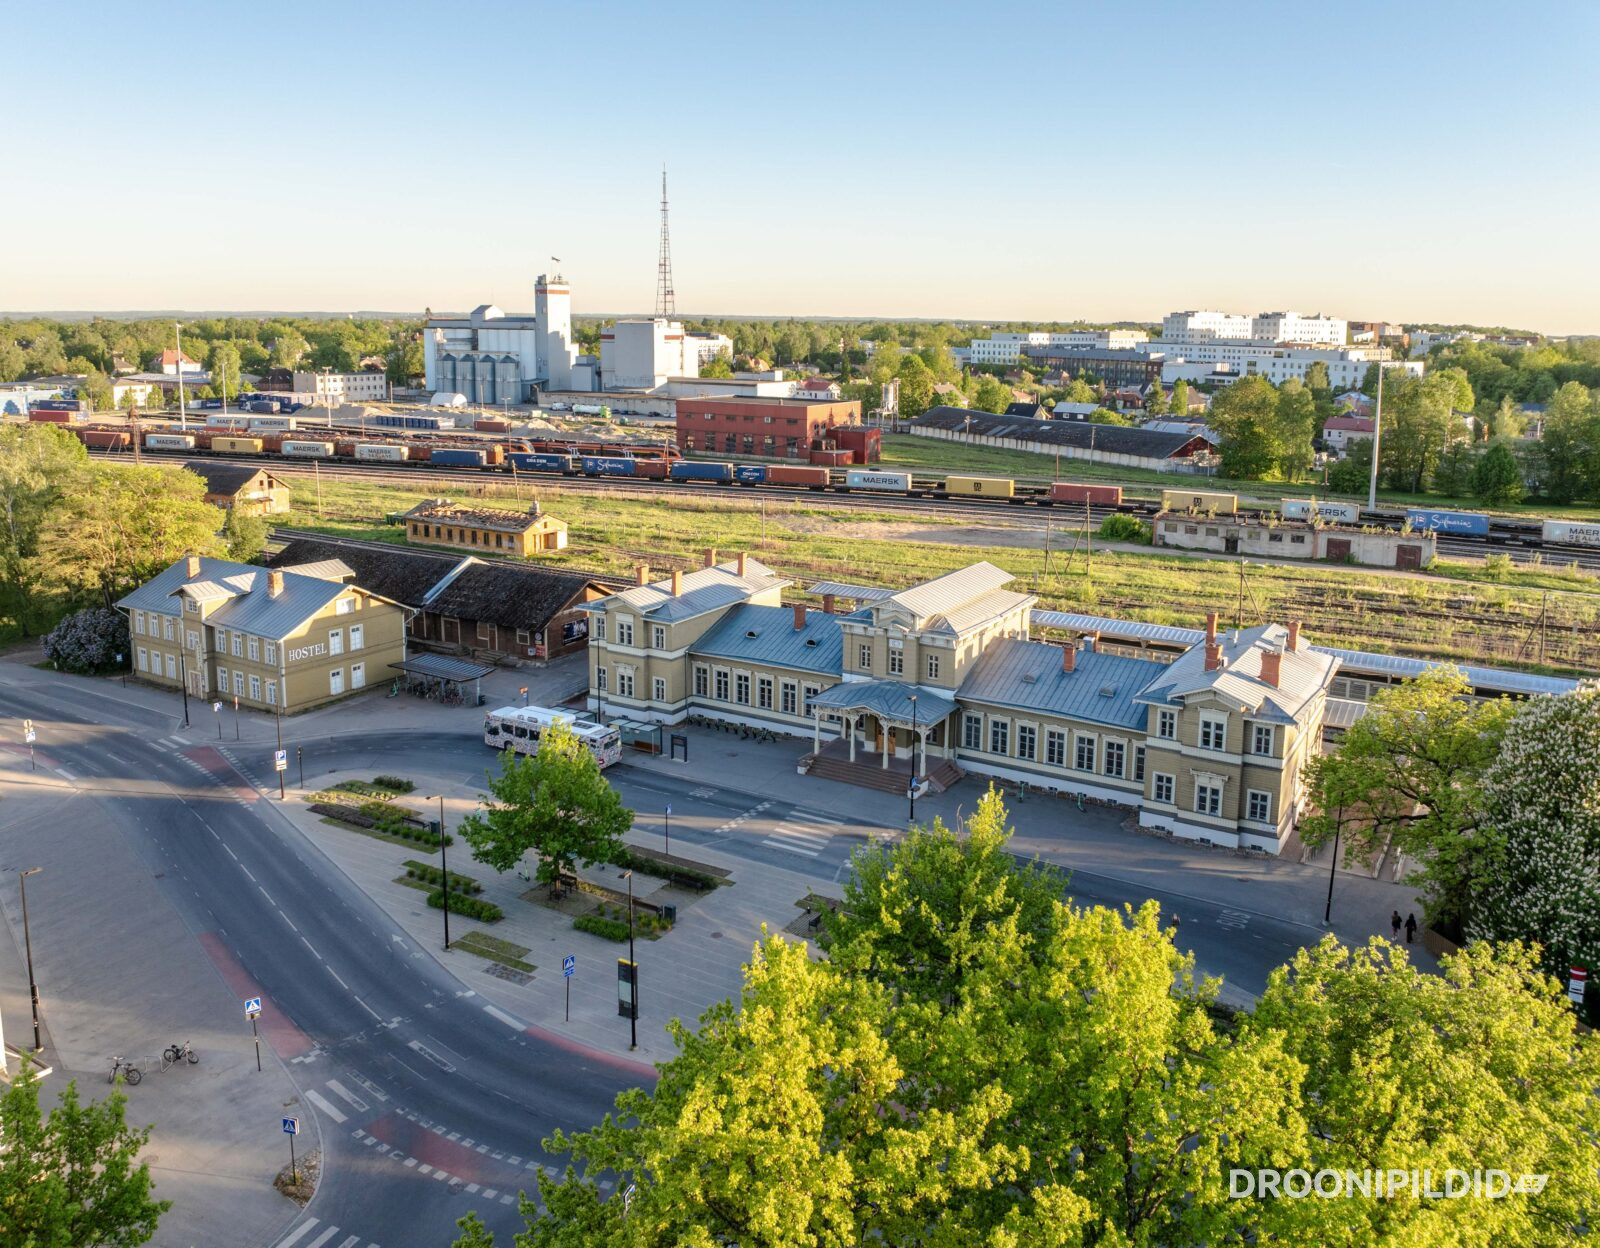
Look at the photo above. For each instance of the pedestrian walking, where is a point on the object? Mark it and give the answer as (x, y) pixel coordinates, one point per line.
(1394, 926)
(1411, 929)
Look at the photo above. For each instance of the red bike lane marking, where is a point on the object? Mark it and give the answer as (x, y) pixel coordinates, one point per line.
(628, 1067)
(406, 1138)
(286, 1039)
(208, 758)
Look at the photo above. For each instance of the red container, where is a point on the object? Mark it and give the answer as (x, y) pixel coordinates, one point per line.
(105, 439)
(653, 469)
(492, 424)
(272, 443)
(785, 474)
(420, 452)
(344, 448)
(202, 439)
(866, 443)
(1100, 495)
(832, 459)
(54, 418)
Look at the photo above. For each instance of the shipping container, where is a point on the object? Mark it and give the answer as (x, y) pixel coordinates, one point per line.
(457, 457)
(60, 405)
(209, 405)
(590, 409)
(265, 407)
(720, 474)
(1427, 520)
(981, 487)
(307, 450)
(492, 424)
(272, 443)
(805, 475)
(832, 459)
(414, 420)
(607, 466)
(228, 420)
(651, 469)
(168, 442)
(382, 452)
(105, 439)
(542, 461)
(420, 452)
(237, 446)
(750, 474)
(51, 416)
(273, 424)
(1339, 513)
(1572, 532)
(863, 479)
(1095, 495)
(1202, 501)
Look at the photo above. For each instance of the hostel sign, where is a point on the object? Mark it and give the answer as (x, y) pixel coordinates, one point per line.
(307, 652)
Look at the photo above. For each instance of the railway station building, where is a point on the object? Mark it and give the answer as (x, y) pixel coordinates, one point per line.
(277, 640)
(500, 530)
(928, 683)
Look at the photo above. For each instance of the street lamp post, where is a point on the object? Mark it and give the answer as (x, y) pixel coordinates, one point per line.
(911, 789)
(444, 868)
(667, 826)
(633, 1014)
(27, 941)
(183, 407)
(183, 681)
(1338, 827)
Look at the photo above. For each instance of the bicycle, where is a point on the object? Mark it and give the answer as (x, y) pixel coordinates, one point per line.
(176, 1053)
(131, 1074)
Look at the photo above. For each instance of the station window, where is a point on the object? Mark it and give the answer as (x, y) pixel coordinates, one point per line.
(658, 637)
(1083, 758)
(1115, 757)
(722, 686)
(811, 692)
(1055, 748)
(624, 683)
(602, 679)
(897, 662)
(1138, 763)
(1167, 725)
(789, 695)
(999, 737)
(624, 631)
(741, 688)
(864, 656)
(1213, 732)
(272, 652)
(1027, 741)
(764, 693)
(1261, 739)
(702, 682)
(255, 650)
(1161, 787)
(660, 691)
(1207, 799)
(972, 732)
(1259, 806)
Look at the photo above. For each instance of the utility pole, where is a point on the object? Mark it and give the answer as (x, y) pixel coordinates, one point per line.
(633, 1013)
(183, 410)
(1377, 427)
(27, 940)
(1338, 827)
(1088, 541)
(444, 867)
(183, 677)
(1238, 611)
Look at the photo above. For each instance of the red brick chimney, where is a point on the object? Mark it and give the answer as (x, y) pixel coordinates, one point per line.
(274, 583)
(1094, 642)
(711, 556)
(1069, 658)
(193, 566)
(1272, 667)
(799, 616)
(677, 582)
(1213, 657)
(1211, 627)
(828, 604)
(1294, 635)
(641, 574)
(744, 561)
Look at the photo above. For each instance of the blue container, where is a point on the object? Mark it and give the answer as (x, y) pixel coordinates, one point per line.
(750, 474)
(457, 457)
(686, 471)
(541, 461)
(607, 466)
(1471, 523)
(210, 405)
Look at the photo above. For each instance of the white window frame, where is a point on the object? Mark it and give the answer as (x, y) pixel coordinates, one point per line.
(1138, 764)
(764, 693)
(1163, 787)
(167, 627)
(1265, 800)
(358, 637)
(335, 681)
(659, 691)
(897, 662)
(237, 642)
(1079, 740)
(624, 682)
(344, 606)
(1213, 733)
(335, 641)
(933, 667)
(255, 688)
(172, 667)
(599, 625)
(138, 622)
(1055, 748)
(1030, 734)
(972, 732)
(741, 688)
(722, 687)
(864, 656)
(789, 698)
(272, 652)
(223, 684)
(254, 647)
(144, 659)
(1211, 805)
(808, 692)
(1167, 725)
(272, 693)
(358, 675)
(624, 630)
(999, 736)
(658, 636)
(1116, 748)
(602, 679)
(702, 681)
(1260, 733)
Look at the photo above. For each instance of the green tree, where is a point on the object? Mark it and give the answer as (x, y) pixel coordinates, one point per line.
(223, 363)
(97, 390)
(1539, 808)
(1455, 471)
(245, 533)
(1110, 416)
(1317, 378)
(40, 466)
(1079, 391)
(121, 524)
(1507, 420)
(1296, 422)
(718, 365)
(916, 386)
(1180, 398)
(1407, 777)
(554, 803)
(1571, 445)
(404, 362)
(992, 396)
(1497, 478)
(1155, 403)
(1419, 421)
(72, 1178)
(288, 346)
(1353, 473)
(1245, 417)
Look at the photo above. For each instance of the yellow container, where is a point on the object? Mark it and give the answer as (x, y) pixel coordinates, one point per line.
(981, 487)
(1204, 502)
(239, 446)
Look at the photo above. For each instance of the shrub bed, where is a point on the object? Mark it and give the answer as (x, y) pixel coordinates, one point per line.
(472, 907)
(386, 821)
(430, 874)
(395, 784)
(684, 877)
(595, 925)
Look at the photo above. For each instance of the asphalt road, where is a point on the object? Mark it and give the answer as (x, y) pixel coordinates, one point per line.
(429, 1101)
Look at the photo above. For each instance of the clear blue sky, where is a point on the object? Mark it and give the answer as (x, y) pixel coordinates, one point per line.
(1429, 160)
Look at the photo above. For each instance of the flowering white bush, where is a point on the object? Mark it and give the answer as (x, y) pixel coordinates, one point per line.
(1540, 876)
(88, 641)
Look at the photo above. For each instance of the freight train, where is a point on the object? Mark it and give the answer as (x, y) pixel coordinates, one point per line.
(663, 463)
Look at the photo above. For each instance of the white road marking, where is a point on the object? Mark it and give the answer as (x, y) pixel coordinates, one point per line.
(311, 947)
(370, 1011)
(65, 774)
(472, 1189)
(810, 817)
(424, 1169)
(339, 1090)
(351, 1242)
(322, 1103)
(409, 1161)
(489, 1193)
(335, 975)
(268, 896)
(503, 1017)
(298, 1231)
(324, 1237)
(246, 870)
(288, 920)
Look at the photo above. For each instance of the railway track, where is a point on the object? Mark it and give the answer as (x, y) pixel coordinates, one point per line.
(1017, 514)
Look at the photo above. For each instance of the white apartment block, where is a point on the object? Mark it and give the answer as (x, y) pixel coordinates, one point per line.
(1265, 327)
(708, 346)
(1203, 326)
(1229, 361)
(343, 387)
(1006, 348)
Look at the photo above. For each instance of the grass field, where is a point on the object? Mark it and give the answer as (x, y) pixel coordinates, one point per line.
(1471, 613)
(934, 455)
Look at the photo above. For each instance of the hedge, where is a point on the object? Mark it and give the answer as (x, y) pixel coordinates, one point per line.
(391, 823)
(611, 929)
(700, 881)
(395, 784)
(472, 907)
(430, 874)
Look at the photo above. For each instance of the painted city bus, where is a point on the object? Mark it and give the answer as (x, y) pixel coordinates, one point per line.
(519, 728)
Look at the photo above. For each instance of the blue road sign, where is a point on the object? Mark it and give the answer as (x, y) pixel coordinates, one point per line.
(291, 1126)
(280, 760)
(252, 1006)
(569, 966)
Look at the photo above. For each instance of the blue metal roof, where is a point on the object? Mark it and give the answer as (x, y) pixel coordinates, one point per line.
(891, 699)
(767, 636)
(250, 608)
(1027, 676)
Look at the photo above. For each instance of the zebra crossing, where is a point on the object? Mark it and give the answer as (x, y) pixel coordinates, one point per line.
(804, 832)
(297, 1237)
(167, 743)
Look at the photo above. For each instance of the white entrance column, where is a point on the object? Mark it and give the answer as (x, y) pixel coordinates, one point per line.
(888, 730)
(922, 749)
(850, 726)
(816, 731)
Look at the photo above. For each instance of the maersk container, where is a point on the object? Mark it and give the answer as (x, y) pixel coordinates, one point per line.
(541, 461)
(1572, 532)
(272, 424)
(306, 449)
(168, 442)
(865, 479)
(1339, 513)
(607, 466)
(457, 457)
(1468, 523)
(686, 470)
(383, 452)
(750, 474)
(228, 420)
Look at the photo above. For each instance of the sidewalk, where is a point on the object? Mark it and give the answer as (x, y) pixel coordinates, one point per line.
(689, 968)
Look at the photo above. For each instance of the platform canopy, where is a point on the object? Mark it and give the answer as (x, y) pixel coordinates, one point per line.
(443, 667)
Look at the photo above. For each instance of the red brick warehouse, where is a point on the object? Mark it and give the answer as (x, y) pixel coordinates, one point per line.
(768, 428)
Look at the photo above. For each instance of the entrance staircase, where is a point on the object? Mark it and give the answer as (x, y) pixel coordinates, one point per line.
(868, 772)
